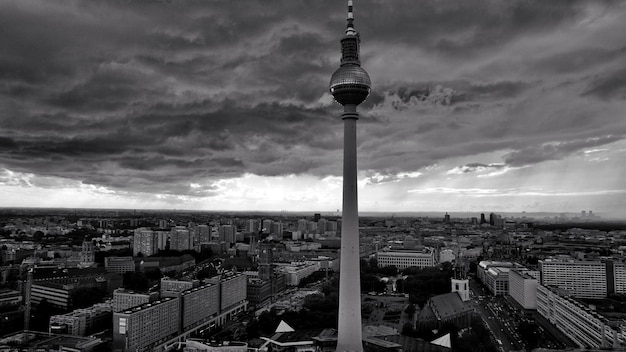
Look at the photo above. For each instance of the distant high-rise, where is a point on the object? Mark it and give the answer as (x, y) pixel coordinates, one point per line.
(350, 85)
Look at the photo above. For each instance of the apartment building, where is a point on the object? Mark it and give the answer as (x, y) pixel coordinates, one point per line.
(584, 326)
(145, 327)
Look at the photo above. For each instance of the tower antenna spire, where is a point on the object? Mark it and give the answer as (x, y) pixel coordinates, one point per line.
(350, 30)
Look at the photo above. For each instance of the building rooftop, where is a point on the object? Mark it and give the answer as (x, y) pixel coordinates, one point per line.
(449, 305)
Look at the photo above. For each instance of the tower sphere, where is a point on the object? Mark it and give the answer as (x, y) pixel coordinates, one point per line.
(350, 84)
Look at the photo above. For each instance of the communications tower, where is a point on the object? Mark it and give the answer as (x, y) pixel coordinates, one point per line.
(350, 86)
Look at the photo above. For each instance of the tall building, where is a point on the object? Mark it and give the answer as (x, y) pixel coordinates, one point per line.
(227, 233)
(583, 279)
(199, 305)
(146, 241)
(523, 287)
(143, 328)
(203, 233)
(124, 299)
(87, 253)
(584, 326)
(181, 239)
(253, 225)
(265, 261)
(232, 290)
(350, 85)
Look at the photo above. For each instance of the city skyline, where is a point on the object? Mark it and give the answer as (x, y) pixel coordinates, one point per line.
(478, 106)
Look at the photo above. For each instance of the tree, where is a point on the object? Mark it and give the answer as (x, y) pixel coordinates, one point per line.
(410, 310)
(407, 329)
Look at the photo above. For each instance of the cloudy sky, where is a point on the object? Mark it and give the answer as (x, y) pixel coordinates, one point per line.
(477, 105)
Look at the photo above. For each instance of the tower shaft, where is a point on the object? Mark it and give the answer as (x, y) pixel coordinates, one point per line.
(349, 335)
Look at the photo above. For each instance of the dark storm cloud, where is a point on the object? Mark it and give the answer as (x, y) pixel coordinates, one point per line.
(154, 95)
(610, 86)
(555, 151)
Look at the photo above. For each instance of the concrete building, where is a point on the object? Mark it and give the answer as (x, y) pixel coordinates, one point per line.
(59, 294)
(227, 233)
(583, 279)
(232, 289)
(148, 242)
(87, 253)
(403, 259)
(172, 287)
(181, 239)
(495, 275)
(523, 287)
(143, 328)
(199, 305)
(295, 272)
(82, 322)
(125, 299)
(119, 265)
(584, 326)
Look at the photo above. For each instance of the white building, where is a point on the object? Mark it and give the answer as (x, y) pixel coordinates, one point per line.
(295, 272)
(407, 258)
(523, 287)
(585, 327)
(143, 328)
(584, 279)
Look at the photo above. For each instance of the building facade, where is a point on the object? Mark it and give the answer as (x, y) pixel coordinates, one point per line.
(407, 258)
(119, 265)
(144, 327)
(584, 326)
(523, 287)
(125, 299)
(583, 279)
(82, 322)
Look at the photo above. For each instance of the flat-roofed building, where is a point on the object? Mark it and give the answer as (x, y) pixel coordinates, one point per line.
(583, 279)
(403, 259)
(119, 265)
(124, 299)
(497, 280)
(584, 326)
(295, 272)
(523, 287)
(82, 322)
(233, 290)
(172, 287)
(145, 327)
(199, 305)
